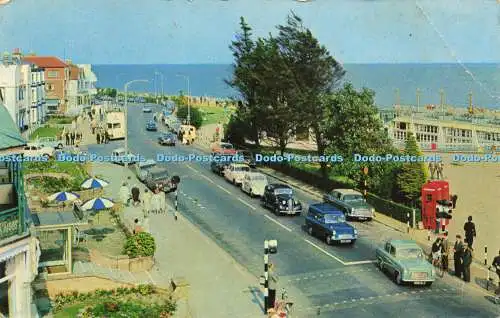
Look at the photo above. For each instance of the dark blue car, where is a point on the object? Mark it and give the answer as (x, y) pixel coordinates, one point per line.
(151, 126)
(327, 222)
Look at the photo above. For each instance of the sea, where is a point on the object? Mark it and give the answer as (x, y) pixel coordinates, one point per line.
(392, 83)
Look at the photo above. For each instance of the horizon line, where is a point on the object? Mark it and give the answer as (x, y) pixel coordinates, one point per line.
(351, 63)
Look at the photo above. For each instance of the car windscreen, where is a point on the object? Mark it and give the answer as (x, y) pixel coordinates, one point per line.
(353, 197)
(334, 218)
(409, 253)
(226, 146)
(243, 169)
(159, 175)
(283, 191)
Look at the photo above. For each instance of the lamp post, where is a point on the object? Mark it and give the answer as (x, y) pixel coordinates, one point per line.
(189, 96)
(126, 114)
(162, 80)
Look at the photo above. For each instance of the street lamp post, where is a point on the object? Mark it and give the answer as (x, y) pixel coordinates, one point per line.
(162, 80)
(126, 114)
(189, 97)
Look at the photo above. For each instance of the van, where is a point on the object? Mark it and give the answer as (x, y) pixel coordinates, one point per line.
(115, 125)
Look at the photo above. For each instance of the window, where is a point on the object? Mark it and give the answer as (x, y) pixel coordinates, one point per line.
(387, 247)
(393, 251)
(428, 197)
(52, 74)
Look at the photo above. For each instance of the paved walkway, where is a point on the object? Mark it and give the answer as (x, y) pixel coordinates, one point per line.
(219, 287)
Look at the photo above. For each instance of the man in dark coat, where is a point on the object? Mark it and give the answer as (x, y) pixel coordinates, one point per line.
(67, 138)
(470, 231)
(467, 261)
(458, 251)
(496, 267)
(98, 136)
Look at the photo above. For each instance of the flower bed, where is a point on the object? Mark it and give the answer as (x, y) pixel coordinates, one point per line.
(140, 301)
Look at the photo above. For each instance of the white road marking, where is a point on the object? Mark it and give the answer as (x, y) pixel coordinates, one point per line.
(359, 263)
(325, 252)
(278, 223)
(209, 180)
(223, 189)
(247, 204)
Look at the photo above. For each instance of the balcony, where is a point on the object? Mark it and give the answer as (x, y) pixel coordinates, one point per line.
(13, 207)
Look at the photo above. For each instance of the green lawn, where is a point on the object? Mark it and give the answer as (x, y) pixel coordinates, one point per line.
(60, 120)
(214, 114)
(69, 312)
(45, 132)
(75, 170)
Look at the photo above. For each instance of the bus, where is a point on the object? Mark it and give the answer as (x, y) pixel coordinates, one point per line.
(115, 125)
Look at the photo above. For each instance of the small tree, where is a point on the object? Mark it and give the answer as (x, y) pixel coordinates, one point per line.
(196, 118)
(140, 245)
(412, 174)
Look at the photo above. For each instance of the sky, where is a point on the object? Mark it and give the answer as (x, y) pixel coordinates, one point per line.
(199, 31)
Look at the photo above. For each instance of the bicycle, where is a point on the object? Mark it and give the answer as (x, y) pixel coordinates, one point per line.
(283, 308)
(438, 264)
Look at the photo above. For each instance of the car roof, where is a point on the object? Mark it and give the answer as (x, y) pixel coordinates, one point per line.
(158, 170)
(255, 174)
(240, 165)
(119, 150)
(148, 162)
(325, 208)
(346, 191)
(408, 243)
(279, 186)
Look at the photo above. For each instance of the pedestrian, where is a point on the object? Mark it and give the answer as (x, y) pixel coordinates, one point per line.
(467, 261)
(73, 136)
(66, 135)
(470, 231)
(156, 201)
(146, 202)
(124, 193)
(454, 199)
(458, 250)
(439, 171)
(272, 281)
(106, 136)
(98, 136)
(93, 125)
(436, 251)
(137, 227)
(135, 195)
(445, 251)
(496, 267)
(432, 169)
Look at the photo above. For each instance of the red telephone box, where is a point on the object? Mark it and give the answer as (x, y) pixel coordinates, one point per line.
(433, 191)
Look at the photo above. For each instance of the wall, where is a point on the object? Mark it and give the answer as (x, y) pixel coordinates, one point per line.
(58, 82)
(81, 284)
(6, 193)
(122, 262)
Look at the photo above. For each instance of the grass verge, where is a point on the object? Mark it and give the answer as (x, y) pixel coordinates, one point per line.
(45, 132)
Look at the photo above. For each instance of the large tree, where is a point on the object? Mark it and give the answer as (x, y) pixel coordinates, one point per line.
(244, 81)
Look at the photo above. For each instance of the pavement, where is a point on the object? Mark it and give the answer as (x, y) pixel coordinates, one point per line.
(321, 280)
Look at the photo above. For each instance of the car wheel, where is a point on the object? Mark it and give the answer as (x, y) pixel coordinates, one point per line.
(47, 155)
(397, 278)
(328, 240)
(251, 193)
(310, 230)
(234, 181)
(60, 146)
(276, 211)
(428, 284)
(380, 264)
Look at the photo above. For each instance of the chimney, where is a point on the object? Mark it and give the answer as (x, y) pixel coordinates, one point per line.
(6, 58)
(16, 56)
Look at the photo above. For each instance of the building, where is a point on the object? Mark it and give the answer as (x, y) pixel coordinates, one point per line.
(443, 133)
(72, 88)
(19, 251)
(87, 81)
(56, 77)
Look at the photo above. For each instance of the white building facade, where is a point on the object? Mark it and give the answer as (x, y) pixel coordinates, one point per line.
(87, 81)
(22, 91)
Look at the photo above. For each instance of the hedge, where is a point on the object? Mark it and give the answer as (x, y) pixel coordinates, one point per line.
(392, 209)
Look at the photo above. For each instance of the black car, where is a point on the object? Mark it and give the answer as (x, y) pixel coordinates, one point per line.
(151, 126)
(168, 139)
(158, 177)
(218, 166)
(281, 200)
(248, 158)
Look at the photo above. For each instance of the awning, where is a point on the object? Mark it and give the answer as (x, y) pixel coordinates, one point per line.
(52, 102)
(55, 218)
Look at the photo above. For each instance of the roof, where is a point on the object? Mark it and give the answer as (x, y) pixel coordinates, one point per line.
(46, 61)
(403, 242)
(10, 137)
(74, 72)
(325, 208)
(55, 218)
(280, 185)
(347, 191)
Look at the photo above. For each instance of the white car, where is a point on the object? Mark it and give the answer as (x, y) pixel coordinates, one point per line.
(120, 156)
(147, 110)
(235, 173)
(254, 184)
(33, 150)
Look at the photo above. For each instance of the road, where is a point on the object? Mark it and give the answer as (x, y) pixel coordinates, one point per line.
(321, 280)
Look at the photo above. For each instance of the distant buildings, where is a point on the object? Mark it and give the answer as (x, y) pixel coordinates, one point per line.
(87, 81)
(19, 251)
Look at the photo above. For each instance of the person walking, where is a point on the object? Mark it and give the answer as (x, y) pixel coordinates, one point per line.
(67, 137)
(146, 201)
(436, 251)
(454, 199)
(458, 251)
(124, 194)
(272, 282)
(496, 267)
(93, 126)
(470, 231)
(156, 201)
(106, 137)
(73, 136)
(467, 261)
(98, 136)
(439, 171)
(445, 251)
(135, 195)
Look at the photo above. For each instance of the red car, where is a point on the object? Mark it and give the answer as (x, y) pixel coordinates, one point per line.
(224, 148)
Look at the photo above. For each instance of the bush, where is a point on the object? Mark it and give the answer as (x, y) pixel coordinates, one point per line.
(195, 114)
(140, 245)
(394, 210)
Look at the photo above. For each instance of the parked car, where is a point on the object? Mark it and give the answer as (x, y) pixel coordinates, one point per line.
(223, 148)
(120, 156)
(219, 166)
(147, 110)
(328, 222)
(235, 172)
(168, 139)
(141, 168)
(49, 142)
(151, 126)
(248, 158)
(158, 177)
(405, 261)
(34, 150)
(254, 184)
(281, 200)
(351, 202)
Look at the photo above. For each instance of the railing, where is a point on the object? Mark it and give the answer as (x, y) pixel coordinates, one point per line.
(9, 223)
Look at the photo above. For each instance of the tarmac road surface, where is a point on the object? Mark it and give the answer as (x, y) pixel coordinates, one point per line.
(321, 280)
